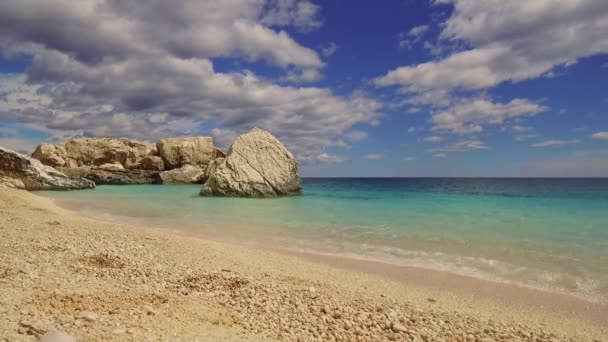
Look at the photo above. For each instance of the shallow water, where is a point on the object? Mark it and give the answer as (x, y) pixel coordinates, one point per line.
(548, 233)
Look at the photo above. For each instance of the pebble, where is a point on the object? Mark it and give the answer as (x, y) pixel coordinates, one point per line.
(88, 316)
(148, 310)
(56, 336)
(398, 327)
(119, 331)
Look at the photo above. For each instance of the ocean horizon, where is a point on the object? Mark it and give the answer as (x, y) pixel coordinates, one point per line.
(547, 233)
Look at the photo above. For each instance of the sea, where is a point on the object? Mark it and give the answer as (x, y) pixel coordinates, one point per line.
(550, 234)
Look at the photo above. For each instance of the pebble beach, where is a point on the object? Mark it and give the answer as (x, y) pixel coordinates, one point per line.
(71, 276)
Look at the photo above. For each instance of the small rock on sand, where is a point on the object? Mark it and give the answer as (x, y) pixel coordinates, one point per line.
(88, 316)
(397, 327)
(56, 336)
(148, 310)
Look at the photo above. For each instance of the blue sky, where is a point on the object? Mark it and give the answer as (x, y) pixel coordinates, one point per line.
(397, 88)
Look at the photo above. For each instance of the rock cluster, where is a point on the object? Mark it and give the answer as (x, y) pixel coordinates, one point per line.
(22, 172)
(127, 161)
(256, 165)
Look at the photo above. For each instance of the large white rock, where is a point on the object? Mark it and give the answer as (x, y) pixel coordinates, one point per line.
(195, 151)
(22, 172)
(256, 165)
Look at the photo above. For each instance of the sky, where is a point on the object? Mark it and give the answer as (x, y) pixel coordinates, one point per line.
(393, 88)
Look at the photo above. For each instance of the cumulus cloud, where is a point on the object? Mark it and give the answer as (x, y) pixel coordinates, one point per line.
(114, 68)
(470, 115)
(460, 146)
(374, 156)
(600, 136)
(432, 138)
(329, 50)
(328, 158)
(555, 143)
(414, 35)
(509, 41)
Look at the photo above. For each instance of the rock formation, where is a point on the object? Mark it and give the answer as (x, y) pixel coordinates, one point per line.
(126, 161)
(195, 151)
(94, 152)
(22, 172)
(256, 165)
(186, 174)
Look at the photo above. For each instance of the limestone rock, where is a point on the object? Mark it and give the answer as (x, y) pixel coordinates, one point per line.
(186, 174)
(20, 171)
(256, 165)
(113, 175)
(152, 163)
(212, 166)
(50, 154)
(94, 152)
(195, 151)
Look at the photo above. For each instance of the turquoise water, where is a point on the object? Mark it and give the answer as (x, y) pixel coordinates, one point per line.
(548, 233)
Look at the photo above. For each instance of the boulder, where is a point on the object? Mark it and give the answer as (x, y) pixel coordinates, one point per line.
(152, 163)
(50, 154)
(256, 165)
(195, 151)
(212, 166)
(113, 174)
(94, 152)
(22, 172)
(186, 174)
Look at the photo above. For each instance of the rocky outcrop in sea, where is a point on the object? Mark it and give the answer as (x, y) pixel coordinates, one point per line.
(127, 161)
(22, 172)
(256, 165)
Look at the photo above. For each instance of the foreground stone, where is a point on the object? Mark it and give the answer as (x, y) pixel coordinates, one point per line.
(256, 165)
(22, 172)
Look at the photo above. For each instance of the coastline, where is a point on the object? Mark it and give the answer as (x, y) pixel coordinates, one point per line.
(56, 264)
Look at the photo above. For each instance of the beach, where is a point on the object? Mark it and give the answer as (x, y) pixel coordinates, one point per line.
(98, 280)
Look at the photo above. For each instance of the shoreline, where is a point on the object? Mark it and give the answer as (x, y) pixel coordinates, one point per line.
(580, 302)
(336, 280)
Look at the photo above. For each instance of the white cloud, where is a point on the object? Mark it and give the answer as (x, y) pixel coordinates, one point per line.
(356, 135)
(304, 15)
(470, 115)
(374, 156)
(409, 158)
(512, 41)
(497, 42)
(600, 136)
(524, 137)
(105, 67)
(440, 155)
(329, 50)
(460, 146)
(329, 158)
(433, 138)
(520, 129)
(555, 143)
(414, 35)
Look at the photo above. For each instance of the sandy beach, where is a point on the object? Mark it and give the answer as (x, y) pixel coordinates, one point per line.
(100, 281)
